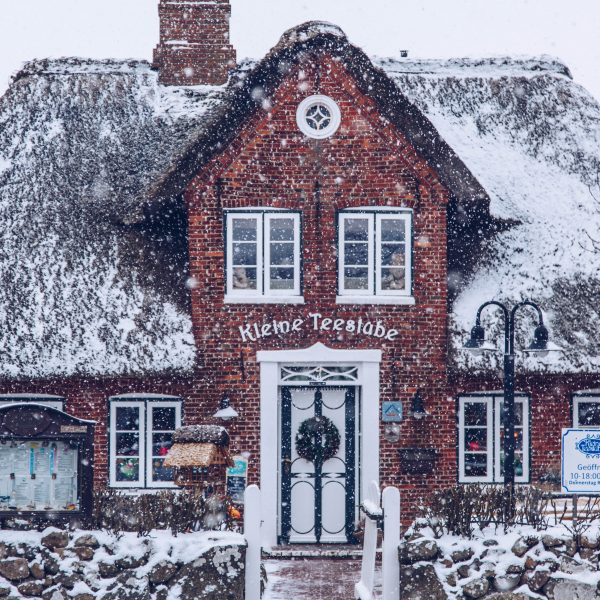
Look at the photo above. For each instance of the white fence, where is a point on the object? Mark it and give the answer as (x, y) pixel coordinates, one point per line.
(382, 511)
(252, 535)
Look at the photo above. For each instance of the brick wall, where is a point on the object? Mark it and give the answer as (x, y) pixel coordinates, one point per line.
(194, 46)
(367, 162)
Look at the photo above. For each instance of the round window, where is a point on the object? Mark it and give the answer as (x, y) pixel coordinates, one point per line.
(318, 117)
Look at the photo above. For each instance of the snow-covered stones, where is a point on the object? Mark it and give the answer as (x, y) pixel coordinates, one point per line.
(55, 539)
(14, 569)
(417, 550)
(101, 566)
(162, 572)
(550, 565)
(477, 588)
(421, 581)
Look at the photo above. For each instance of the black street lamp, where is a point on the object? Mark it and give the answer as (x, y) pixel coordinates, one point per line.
(540, 346)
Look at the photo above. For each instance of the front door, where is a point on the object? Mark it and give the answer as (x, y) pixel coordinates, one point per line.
(318, 464)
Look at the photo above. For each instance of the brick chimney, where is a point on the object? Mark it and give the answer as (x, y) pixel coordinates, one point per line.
(194, 46)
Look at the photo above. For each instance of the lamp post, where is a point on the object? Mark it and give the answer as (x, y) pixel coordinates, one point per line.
(539, 345)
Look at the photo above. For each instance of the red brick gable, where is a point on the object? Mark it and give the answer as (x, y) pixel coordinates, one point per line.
(368, 162)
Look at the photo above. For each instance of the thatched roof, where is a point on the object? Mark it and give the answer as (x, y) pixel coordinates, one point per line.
(94, 155)
(182, 455)
(531, 136)
(90, 286)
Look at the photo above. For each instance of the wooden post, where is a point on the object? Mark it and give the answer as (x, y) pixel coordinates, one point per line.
(390, 566)
(252, 534)
(364, 588)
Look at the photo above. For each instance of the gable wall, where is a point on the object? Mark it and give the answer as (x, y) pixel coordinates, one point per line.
(365, 163)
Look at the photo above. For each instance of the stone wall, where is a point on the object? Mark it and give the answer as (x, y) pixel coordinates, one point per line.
(56, 565)
(515, 566)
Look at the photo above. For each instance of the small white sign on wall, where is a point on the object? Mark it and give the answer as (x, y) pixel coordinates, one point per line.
(580, 464)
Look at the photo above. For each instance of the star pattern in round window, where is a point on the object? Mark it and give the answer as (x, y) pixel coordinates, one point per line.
(318, 117)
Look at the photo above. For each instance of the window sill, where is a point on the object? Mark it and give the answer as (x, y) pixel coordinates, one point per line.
(398, 300)
(264, 299)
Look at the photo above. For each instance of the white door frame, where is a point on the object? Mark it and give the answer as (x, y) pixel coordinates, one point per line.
(270, 361)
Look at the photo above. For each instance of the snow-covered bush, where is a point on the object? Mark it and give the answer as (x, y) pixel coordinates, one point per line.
(462, 509)
(180, 511)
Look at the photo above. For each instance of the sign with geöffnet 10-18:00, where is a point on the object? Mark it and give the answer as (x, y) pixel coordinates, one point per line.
(580, 464)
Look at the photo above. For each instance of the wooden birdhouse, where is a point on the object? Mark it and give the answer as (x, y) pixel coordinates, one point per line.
(200, 457)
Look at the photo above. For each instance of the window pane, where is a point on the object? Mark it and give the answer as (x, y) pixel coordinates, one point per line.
(475, 439)
(128, 444)
(282, 278)
(160, 473)
(244, 278)
(392, 230)
(356, 254)
(518, 414)
(128, 418)
(356, 278)
(475, 465)
(128, 469)
(356, 229)
(282, 254)
(163, 418)
(161, 442)
(393, 279)
(244, 254)
(392, 255)
(282, 229)
(475, 413)
(589, 413)
(518, 464)
(244, 230)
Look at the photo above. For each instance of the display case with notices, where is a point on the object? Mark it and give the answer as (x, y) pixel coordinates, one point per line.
(46, 463)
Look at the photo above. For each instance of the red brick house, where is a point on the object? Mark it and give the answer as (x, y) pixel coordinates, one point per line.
(307, 237)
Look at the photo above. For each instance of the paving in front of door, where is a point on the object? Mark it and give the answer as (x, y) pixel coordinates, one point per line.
(312, 579)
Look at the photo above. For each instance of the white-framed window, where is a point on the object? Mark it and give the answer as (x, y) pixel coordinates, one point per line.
(480, 438)
(375, 256)
(586, 409)
(140, 435)
(263, 256)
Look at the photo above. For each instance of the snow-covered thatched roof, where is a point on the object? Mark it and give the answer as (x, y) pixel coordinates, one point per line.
(84, 288)
(531, 136)
(92, 284)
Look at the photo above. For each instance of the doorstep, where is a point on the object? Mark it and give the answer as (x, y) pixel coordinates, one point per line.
(332, 551)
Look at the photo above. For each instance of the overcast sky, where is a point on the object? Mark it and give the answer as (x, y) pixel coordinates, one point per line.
(427, 28)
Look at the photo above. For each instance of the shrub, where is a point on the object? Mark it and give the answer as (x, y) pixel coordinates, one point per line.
(178, 511)
(462, 508)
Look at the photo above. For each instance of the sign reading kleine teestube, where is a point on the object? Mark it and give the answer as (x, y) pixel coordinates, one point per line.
(580, 468)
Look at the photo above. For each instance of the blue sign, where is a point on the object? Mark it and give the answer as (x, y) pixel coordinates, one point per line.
(590, 446)
(391, 412)
(580, 464)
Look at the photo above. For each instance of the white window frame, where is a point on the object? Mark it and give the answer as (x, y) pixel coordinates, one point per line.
(145, 406)
(494, 442)
(591, 397)
(489, 439)
(346, 216)
(519, 400)
(374, 294)
(405, 218)
(263, 293)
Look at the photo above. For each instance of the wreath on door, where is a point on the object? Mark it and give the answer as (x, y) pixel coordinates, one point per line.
(317, 435)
